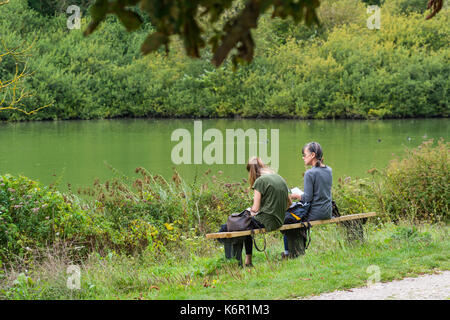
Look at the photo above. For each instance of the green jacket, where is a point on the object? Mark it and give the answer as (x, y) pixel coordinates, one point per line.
(274, 198)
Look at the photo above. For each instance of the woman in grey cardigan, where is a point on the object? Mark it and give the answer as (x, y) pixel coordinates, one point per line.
(317, 187)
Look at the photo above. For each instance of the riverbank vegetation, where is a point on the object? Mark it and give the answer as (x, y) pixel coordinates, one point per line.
(149, 228)
(339, 70)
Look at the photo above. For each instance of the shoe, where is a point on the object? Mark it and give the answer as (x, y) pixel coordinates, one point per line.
(284, 256)
(249, 265)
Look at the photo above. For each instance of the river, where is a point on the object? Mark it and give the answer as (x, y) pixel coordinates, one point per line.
(77, 152)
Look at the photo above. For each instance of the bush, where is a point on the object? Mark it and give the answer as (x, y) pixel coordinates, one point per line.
(413, 188)
(148, 213)
(416, 187)
(354, 196)
(54, 7)
(339, 70)
(33, 216)
(152, 212)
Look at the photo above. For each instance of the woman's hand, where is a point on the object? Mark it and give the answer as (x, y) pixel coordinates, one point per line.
(296, 196)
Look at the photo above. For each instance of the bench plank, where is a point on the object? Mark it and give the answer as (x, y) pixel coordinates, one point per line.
(235, 234)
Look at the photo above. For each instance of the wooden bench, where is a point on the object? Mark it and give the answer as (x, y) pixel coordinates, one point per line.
(352, 223)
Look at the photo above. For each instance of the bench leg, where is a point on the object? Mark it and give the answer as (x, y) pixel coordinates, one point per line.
(296, 242)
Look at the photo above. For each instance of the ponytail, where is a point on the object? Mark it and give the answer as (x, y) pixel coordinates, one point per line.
(317, 149)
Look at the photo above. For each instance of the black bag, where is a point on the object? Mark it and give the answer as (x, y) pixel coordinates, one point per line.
(243, 221)
(239, 221)
(297, 213)
(334, 211)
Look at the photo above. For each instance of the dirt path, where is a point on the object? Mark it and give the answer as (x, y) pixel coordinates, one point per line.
(424, 287)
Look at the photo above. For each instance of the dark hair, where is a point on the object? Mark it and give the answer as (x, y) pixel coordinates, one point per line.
(317, 149)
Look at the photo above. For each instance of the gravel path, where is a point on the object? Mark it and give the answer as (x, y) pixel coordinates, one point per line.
(424, 287)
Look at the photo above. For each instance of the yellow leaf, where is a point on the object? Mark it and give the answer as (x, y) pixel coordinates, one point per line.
(168, 226)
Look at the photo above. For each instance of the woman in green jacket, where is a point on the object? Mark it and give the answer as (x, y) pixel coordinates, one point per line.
(270, 201)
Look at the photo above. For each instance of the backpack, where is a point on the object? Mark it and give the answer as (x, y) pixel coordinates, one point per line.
(334, 210)
(298, 213)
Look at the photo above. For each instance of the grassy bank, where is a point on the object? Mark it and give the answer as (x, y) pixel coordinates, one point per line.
(330, 263)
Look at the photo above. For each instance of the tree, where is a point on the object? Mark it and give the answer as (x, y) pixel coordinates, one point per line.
(187, 17)
(52, 7)
(11, 92)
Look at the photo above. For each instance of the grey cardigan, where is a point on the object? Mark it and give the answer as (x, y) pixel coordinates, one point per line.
(317, 192)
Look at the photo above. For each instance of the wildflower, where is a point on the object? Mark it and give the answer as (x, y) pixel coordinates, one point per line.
(45, 205)
(35, 210)
(17, 206)
(11, 190)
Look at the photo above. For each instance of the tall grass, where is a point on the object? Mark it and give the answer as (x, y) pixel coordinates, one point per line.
(331, 263)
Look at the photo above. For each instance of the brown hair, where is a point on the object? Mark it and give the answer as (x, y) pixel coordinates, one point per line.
(255, 167)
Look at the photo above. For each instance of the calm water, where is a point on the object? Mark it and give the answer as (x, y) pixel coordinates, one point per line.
(78, 150)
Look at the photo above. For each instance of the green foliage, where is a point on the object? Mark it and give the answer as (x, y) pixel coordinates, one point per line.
(341, 70)
(408, 6)
(22, 288)
(414, 188)
(187, 19)
(411, 234)
(34, 216)
(148, 214)
(54, 7)
(152, 213)
(353, 195)
(417, 185)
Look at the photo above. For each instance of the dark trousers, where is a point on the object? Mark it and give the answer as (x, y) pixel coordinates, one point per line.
(248, 244)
